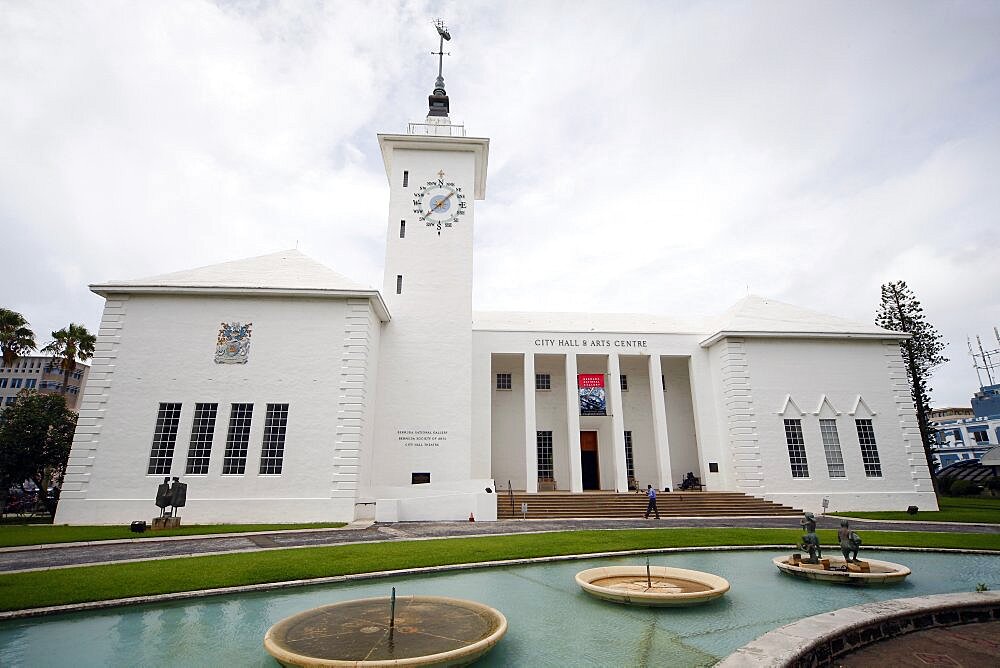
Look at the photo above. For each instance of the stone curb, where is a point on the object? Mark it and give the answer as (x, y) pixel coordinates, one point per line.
(821, 639)
(268, 586)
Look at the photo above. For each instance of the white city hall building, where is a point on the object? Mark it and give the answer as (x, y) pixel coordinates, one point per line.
(281, 391)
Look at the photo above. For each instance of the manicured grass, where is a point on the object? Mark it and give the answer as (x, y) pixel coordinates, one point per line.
(40, 534)
(952, 509)
(92, 583)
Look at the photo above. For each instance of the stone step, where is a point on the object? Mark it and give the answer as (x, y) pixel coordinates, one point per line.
(631, 505)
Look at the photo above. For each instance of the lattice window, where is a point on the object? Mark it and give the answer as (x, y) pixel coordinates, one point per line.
(869, 449)
(831, 446)
(273, 451)
(237, 440)
(504, 381)
(164, 437)
(202, 434)
(796, 449)
(543, 381)
(543, 440)
(624, 382)
(629, 457)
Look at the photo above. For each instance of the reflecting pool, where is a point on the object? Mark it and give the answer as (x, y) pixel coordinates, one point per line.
(551, 621)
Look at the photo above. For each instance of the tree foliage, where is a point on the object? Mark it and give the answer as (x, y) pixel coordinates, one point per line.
(16, 338)
(900, 311)
(36, 433)
(69, 345)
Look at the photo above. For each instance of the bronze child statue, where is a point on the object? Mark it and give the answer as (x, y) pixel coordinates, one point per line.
(850, 542)
(810, 541)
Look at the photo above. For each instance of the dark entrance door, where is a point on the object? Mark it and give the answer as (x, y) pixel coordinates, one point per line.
(588, 460)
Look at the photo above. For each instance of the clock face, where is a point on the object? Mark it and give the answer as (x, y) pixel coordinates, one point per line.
(439, 203)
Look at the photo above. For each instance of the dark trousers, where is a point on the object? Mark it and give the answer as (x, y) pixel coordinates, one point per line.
(651, 507)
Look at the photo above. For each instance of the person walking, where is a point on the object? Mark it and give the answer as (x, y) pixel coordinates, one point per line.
(651, 506)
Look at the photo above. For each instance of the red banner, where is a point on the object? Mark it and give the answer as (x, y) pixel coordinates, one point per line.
(593, 400)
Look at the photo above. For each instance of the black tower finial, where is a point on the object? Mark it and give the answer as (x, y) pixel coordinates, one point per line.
(437, 102)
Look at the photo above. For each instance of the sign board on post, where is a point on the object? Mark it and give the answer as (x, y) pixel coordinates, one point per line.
(593, 399)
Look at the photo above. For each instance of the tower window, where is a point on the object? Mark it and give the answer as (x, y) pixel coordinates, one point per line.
(406, 178)
(402, 229)
(399, 284)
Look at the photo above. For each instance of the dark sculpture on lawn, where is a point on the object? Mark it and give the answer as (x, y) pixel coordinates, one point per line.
(163, 496)
(850, 542)
(171, 494)
(810, 541)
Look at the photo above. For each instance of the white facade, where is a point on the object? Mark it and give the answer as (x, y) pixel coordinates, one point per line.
(354, 403)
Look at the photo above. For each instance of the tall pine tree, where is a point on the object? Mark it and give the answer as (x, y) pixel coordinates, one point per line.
(900, 311)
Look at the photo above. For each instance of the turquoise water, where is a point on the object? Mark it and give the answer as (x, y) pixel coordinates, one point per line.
(551, 622)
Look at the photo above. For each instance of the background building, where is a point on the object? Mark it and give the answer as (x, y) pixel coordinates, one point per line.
(39, 372)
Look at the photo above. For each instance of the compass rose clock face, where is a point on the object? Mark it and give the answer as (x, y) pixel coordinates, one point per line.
(439, 203)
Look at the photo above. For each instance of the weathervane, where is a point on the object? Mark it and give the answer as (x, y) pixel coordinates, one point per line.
(438, 100)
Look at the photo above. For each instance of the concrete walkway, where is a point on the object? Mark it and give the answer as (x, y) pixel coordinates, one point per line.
(969, 645)
(144, 548)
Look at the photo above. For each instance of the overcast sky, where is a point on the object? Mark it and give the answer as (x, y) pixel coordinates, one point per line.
(652, 157)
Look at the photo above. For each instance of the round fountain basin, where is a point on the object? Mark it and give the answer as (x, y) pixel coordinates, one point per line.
(427, 631)
(837, 570)
(665, 586)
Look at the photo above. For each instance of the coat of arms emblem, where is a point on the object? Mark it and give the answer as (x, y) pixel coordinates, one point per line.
(233, 346)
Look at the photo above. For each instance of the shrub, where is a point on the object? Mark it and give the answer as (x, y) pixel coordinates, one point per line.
(965, 488)
(944, 485)
(993, 484)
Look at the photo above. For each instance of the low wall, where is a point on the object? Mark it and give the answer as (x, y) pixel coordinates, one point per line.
(822, 639)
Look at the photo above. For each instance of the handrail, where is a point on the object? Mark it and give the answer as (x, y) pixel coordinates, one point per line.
(510, 494)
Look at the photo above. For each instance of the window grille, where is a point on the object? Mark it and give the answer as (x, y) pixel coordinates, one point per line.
(629, 457)
(273, 451)
(831, 446)
(164, 437)
(624, 382)
(202, 434)
(504, 381)
(543, 381)
(796, 449)
(237, 440)
(543, 440)
(869, 449)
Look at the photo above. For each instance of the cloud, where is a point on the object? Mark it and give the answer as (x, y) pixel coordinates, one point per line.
(681, 153)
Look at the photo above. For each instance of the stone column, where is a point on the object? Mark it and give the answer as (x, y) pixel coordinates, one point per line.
(530, 429)
(573, 425)
(661, 442)
(617, 423)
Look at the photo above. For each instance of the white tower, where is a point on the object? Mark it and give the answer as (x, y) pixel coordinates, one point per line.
(424, 406)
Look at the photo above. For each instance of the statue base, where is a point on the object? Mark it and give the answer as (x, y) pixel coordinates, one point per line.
(165, 523)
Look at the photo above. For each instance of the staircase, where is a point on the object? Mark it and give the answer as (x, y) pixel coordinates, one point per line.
(565, 505)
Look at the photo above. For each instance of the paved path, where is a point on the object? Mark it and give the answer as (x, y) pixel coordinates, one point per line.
(969, 645)
(54, 556)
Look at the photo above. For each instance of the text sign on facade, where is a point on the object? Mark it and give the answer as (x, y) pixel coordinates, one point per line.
(593, 399)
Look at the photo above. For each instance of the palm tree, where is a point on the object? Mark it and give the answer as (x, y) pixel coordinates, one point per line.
(69, 345)
(15, 337)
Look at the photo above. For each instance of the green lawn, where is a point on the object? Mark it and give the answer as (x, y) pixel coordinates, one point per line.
(953, 509)
(38, 534)
(91, 583)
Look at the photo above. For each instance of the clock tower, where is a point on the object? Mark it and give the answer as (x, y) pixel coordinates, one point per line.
(423, 425)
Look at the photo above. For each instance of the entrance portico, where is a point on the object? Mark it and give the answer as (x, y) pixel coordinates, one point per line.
(541, 442)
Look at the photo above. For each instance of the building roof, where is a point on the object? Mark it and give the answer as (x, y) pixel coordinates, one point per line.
(755, 316)
(519, 321)
(286, 273)
(752, 316)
